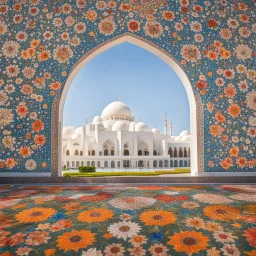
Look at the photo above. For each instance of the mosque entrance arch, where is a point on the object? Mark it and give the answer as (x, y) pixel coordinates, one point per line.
(195, 102)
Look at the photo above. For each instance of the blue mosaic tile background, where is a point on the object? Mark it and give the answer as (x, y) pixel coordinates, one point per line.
(214, 42)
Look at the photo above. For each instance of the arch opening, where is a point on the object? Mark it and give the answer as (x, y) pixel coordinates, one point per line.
(166, 57)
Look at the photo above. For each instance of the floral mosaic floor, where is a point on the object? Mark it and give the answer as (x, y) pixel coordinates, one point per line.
(122, 220)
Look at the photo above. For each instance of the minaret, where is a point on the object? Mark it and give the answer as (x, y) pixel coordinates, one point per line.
(165, 123)
(171, 129)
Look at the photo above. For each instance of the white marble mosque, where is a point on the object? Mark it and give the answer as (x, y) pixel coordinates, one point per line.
(115, 140)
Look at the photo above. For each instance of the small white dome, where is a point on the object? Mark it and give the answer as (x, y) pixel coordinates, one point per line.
(108, 126)
(97, 120)
(119, 126)
(76, 136)
(79, 130)
(141, 127)
(178, 138)
(68, 130)
(183, 133)
(155, 131)
(100, 127)
(185, 138)
(132, 127)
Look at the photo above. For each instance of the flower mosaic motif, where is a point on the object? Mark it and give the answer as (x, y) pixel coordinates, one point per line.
(213, 41)
(203, 220)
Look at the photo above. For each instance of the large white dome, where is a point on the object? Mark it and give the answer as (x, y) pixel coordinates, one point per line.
(141, 127)
(116, 110)
(119, 126)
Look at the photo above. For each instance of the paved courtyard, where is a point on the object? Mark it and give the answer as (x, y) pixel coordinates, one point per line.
(121, 220)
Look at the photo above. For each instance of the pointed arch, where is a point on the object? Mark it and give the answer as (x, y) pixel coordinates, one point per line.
(180, 152)
(126, 152)
(108, 147)
(143, 147)
(195, 102)
(175, 152)
(185, 152)
(92, 148)
(170, 152)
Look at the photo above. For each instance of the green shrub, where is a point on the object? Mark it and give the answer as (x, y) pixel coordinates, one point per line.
(87, 169)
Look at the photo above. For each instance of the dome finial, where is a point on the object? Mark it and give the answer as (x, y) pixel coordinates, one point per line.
(140, 119)
(116, 98)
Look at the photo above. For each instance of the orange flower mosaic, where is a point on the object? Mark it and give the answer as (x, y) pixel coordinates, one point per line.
(157, 218)
(213, 220)
(34, 215)
(75, 240)
(95, 215)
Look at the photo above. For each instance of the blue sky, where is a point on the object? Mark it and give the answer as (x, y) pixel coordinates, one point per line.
(139, 78)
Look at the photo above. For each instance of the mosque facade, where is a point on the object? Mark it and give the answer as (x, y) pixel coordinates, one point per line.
(115, 140)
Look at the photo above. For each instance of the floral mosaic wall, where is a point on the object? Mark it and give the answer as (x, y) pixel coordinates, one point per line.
(214, 42)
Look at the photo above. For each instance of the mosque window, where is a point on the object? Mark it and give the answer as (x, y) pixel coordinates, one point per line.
(76, 152)
(180, 153)
(81, 153)
(139, 153)
(185, 152)
(67, 152)
(93, 152)
(170, 152)
(105, 152)
(112, 152)
(126, 152)
(154, 153)
(140, 164)
(146, 153)
(175, 153)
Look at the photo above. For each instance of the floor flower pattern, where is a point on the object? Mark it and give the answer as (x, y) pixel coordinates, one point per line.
(96, 220)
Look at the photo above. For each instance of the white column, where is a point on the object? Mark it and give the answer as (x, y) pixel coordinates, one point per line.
(165, 123)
